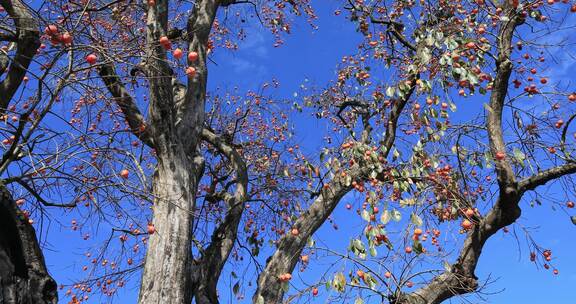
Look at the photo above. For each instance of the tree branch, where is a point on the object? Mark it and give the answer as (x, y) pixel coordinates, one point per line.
(192, 108)
(41, 199)
(205, 281)
(399, 104)
(545, 176)
(504, 171)
(28, 41)
(133, 116)
(460, 278)
(284, 259)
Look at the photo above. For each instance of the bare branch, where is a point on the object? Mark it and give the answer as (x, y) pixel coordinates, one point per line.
(133, 116)
(395, 28)
(545, 176)
(41, 199)
(237, 162)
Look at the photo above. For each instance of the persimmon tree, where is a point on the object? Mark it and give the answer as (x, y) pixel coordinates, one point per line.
(418, 62)
(120, 137)
(113, 60)
(174, 128)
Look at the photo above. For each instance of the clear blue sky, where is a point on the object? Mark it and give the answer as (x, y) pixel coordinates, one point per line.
(313, 55)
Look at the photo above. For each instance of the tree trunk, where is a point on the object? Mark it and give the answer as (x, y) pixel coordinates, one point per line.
(287, 255)
(176, 122)
(206, 271)
(216, 255)
(23, 275)
(28, 41)
(166, 271)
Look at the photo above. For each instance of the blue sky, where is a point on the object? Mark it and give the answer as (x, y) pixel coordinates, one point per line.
(312, 55)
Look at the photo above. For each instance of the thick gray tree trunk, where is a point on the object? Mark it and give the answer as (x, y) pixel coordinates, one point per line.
(166, 271)
(23, 275)
(176, 122)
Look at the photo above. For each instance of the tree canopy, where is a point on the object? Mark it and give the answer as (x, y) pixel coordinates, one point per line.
(437, 127)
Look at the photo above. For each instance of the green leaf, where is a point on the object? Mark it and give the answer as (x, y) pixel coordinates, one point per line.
(285, 286)
(356, 243)
(260, 299)
(348, 180)
(335, 165)
(439, 35)
(339, 282)
(396, 215)
(425, 56)
(454, 150)
(429, 40)
(373, 251)
(390, 91)
(443, 60)
(236, 288)
(358, 301)
(395, 154)
(403, 87)
(415, 219)
(451, 43)
(385, 217)
(417, 247)
(407, 202)
(519, 156)
(573, 219)
(373, 196)
(311, 242)
(371, 282)
(366, 215)
(472, 78)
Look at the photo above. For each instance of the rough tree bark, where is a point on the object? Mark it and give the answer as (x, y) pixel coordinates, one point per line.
(24, 278)
(174, 130)
(27, 39)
